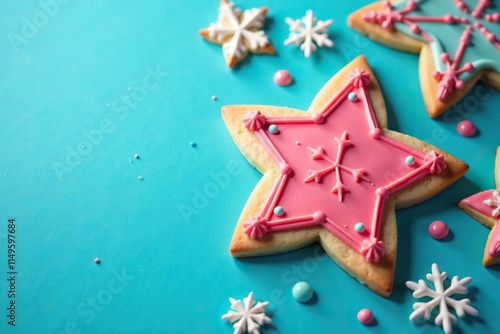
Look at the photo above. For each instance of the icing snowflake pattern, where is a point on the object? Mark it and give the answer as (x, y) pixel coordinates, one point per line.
(308, 31)
(335, 166)
(441, 298)
(494, 202)
(475, 20)
(247, 316)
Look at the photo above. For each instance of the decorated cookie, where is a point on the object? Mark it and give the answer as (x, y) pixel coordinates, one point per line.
(485, 207)
(458, 42)
(238, 32)
(334, 175)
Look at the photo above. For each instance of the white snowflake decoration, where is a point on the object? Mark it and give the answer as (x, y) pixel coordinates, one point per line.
(247, 316)
(494, 202)
(441, 298)
(308, 31)
(242, 30)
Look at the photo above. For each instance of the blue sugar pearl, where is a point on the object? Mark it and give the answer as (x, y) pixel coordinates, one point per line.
(273, 129)
(359, 227)
(192, 144)
(302, 292)
(410, 160)
(352, 96)
(279, 211)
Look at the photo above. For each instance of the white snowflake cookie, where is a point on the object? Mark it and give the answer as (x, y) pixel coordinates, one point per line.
(238, 32)
(441, 297)
(308, 31)
(248, 315)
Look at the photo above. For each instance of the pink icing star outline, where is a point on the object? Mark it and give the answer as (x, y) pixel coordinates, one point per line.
(448, 80)
(366, 243)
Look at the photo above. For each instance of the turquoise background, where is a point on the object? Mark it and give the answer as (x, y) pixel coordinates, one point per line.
(162, 270)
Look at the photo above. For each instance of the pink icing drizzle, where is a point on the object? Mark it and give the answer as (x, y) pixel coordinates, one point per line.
(349, 132)
(448, 80)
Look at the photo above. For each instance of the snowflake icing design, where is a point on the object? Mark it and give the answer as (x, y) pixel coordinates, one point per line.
(441, 298)
(449, 78)
(308, 31)
(494, 202)
(335, 166)
(238, 32)
(248, 315)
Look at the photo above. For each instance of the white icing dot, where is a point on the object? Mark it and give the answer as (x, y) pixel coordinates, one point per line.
(136, 156)
(140, 178)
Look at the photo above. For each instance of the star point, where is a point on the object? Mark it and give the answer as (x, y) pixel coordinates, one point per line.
(485, 207)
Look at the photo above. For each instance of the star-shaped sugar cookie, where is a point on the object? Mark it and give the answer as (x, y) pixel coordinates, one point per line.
(485, 207)
(238, 32)
(458, 42)
(334, 175)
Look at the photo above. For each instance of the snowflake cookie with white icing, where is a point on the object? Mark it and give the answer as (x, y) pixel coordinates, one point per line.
(239, 32)
(458, 42)
(485, 207)
(442, 298)
(334, 175)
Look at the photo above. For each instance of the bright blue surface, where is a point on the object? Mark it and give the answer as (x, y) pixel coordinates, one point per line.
(162, 270)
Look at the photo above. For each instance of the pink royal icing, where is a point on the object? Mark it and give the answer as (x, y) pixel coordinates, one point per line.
(410, 15)
(488, 203)
(341, 173)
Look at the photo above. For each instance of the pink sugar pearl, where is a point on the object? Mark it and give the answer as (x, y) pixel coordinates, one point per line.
(466, 128)
(282, 78)
(97, 260)
(438, 230)
(365, 316)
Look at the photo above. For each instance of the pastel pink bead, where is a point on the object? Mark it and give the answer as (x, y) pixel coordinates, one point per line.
(438, 229)
(466, 128)
(282, 78)
(365, 316)
(97, 260)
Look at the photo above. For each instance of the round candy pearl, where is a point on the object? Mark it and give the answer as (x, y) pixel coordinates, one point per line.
(410, 160)
(279, 211)
(302, 292)
(273, 129)
(438, 229)
(359, 227)
(282, 78)
(97, 260)
(365, 316)
(466, 128)
(352, 96)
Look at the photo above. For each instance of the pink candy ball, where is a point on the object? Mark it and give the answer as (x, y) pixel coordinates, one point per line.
(282, 78)
(365, 316)
(466, 128)
(438, 230)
